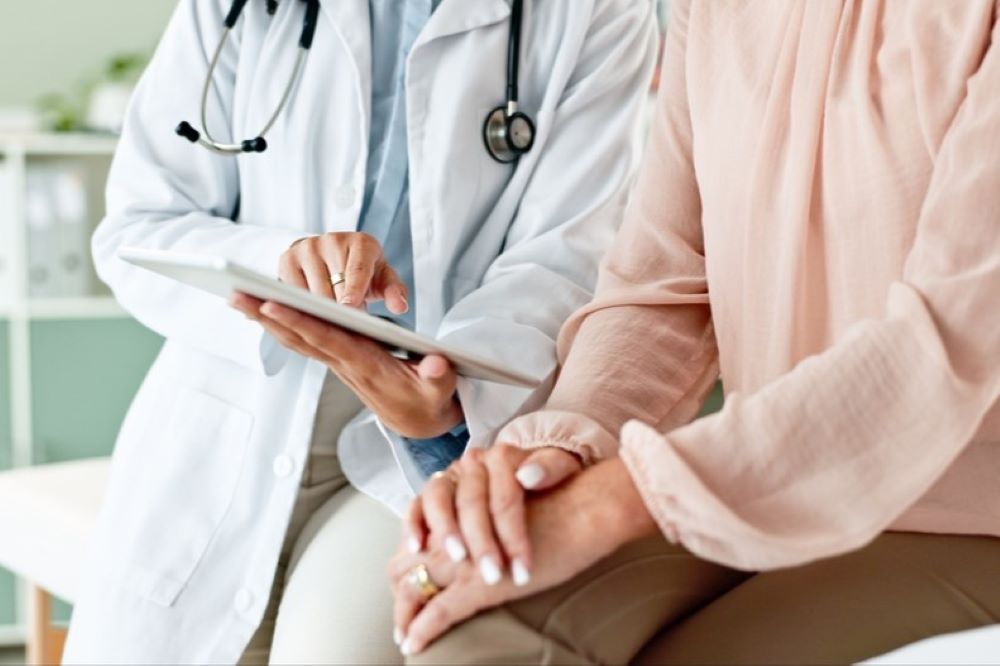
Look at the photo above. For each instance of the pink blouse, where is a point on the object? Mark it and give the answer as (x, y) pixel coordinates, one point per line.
(818, 221)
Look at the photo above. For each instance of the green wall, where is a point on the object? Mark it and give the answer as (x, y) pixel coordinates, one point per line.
(714, 401)
(85, 374)
(5, 427)
(8, 599)
(6, 580)
(55, 45)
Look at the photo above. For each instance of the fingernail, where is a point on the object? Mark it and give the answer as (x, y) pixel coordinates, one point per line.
(414, 545)
(530, 476)
(520, 573)
(397, 636)
(406, 648)
(455, 549)
(489, 570)
(347, 300)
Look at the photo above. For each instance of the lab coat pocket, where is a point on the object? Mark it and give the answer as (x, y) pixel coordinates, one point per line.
(188, 468)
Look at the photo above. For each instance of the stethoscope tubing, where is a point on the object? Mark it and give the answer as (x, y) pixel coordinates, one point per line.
(504, 142)
(234, 148)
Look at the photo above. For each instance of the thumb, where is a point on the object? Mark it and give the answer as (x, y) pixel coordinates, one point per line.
(437, 372)
(546, 468)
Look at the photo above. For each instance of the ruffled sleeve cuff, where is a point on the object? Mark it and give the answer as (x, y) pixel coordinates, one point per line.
(566, 430)
(688, 511)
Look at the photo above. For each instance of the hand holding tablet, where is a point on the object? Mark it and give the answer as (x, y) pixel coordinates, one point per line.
(225, 278)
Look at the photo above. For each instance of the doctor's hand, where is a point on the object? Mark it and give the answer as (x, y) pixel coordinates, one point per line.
(313, 262)
(476, 509)
(415, 399)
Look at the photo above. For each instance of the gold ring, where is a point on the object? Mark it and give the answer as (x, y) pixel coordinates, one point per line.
(450, 474)
(338, 279)
(420, 580)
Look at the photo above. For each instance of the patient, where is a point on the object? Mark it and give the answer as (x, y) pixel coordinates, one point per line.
(818, 222)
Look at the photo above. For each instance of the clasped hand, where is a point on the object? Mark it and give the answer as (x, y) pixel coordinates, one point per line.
(417, 400)
(504, 524)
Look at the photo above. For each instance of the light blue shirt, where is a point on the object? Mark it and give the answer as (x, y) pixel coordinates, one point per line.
(385, 211)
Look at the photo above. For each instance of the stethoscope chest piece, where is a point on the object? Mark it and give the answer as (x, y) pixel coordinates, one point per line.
(507, 132)
(508, 135)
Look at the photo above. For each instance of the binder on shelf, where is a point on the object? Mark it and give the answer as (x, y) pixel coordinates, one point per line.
(40, 221)
(71, 271)
(57, 218)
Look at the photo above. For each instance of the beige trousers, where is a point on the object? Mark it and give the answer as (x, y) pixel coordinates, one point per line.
(899, 589)
(330, 601)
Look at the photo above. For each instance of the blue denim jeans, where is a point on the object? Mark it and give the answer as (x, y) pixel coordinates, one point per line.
(434, 455)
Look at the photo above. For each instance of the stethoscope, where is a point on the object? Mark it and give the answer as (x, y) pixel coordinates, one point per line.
(508, 133)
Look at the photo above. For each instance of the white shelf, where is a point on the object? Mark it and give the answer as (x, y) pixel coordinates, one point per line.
(59, 145)
(94, 307)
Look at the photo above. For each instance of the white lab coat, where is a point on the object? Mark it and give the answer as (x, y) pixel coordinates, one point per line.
(207, 464)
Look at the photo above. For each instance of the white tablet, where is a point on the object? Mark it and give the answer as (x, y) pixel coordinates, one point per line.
(223, 277)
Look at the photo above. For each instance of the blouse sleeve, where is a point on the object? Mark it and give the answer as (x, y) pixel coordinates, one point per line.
(826, 457)
(651, 294)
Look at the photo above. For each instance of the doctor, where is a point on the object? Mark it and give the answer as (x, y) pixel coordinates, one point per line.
(477, 155)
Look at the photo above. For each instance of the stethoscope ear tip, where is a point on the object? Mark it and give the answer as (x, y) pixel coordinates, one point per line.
(257, 145)
(188, 132)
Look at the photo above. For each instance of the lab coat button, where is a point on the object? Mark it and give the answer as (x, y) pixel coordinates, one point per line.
(344, 196)
(283, 466)
(243, 601)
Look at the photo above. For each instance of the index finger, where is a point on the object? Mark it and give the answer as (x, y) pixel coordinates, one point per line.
(362, 258)
(508, 512)
(245, 303)
(332, 339)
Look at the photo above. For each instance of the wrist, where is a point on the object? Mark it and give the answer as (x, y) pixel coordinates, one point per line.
(626, 513)
(432, 426)
(453, 415)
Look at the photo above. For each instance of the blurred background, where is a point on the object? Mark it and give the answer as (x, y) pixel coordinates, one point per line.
(70, 358)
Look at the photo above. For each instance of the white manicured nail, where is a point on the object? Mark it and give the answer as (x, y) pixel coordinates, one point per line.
(406, 648)
(530, 476)
(456, 551)
(414, 545)
(397, 636)
(520, 573)
(489, 570)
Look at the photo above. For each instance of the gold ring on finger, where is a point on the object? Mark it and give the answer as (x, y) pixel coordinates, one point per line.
(338, 279)
(448, 474)
(420, 580)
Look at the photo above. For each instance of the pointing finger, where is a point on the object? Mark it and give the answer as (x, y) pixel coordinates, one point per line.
(362, 257)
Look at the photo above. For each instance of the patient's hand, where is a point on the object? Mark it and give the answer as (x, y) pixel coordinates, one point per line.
(476, 509)
(570, 528)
